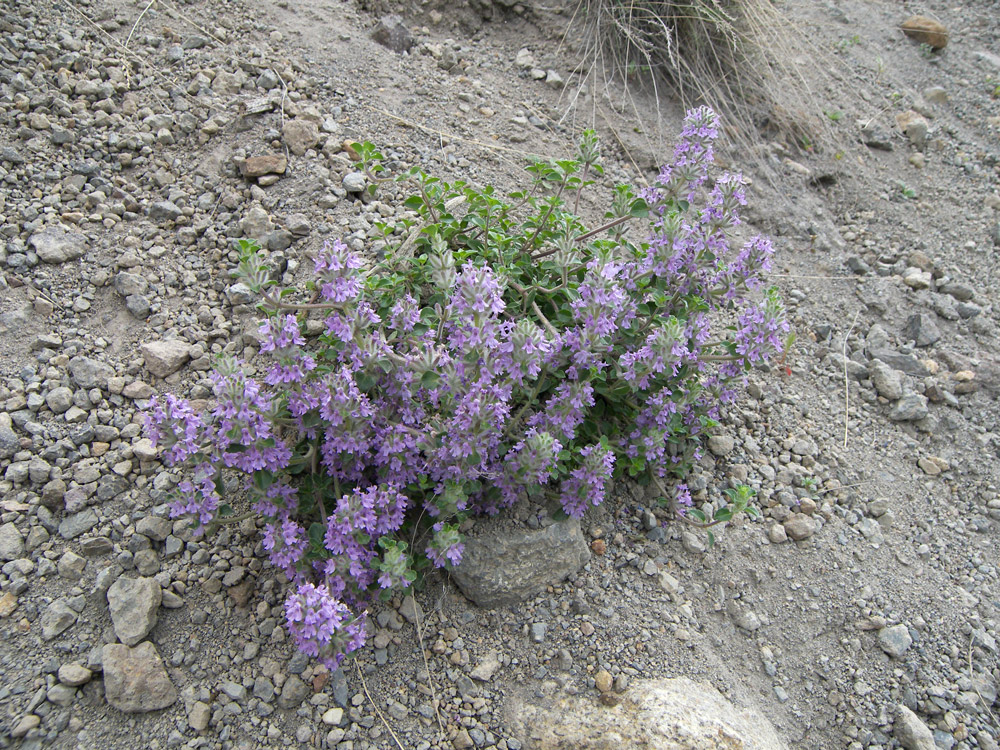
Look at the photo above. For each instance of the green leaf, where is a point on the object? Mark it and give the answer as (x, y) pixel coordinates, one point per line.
(722, 514)
(560, 515)
(430, 379)
(697, 515)
(711, 540)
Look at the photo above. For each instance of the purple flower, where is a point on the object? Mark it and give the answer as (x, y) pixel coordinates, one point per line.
(445, 549)
(173, 426)
(338, 270)
(586, 484)
(321, 625)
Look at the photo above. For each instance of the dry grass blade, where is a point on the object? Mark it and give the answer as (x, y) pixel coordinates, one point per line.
(743, 58)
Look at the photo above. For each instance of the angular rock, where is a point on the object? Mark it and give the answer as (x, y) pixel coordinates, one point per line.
(657, 715)
(56, 619)
(486, 667)
(78, 523)
(164, 358)
(895, 640)
(57, 245)
(300, 135)
(721, 445)
(134, 604)
(500, 568)
(135, 679)
(910, 408)
(258, 166)
(164, 211)
(293, 692)
(875, 137)
(922, 329)
(911, 732)
(926, 31)
(89, 373)
(11, 542)
(886, 380)
(392, 32)
(915, 126)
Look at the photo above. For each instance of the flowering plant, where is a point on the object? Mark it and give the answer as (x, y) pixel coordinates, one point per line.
(500, 351)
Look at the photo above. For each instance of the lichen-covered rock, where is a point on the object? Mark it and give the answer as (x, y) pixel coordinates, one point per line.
(500, 568)
(677, 714)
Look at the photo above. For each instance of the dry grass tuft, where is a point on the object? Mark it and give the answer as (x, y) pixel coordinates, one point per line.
(743, 58)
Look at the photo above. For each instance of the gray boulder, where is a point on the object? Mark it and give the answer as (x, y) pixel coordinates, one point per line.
(500, 568)
(57, 245)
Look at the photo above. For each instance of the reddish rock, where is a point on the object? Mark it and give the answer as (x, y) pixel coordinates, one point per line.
(926, 31)
(258, 166)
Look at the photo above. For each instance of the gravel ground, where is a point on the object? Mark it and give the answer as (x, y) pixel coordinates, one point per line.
(137, 142)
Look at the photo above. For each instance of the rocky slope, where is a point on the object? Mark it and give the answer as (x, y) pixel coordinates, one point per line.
(139, 141)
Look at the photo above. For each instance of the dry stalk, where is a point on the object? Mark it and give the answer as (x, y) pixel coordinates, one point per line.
(847, 383)
(364, 686)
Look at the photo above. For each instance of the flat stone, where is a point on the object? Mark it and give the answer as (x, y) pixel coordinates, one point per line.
(258, 166)
(486, 668)
(11, 542)
(58, 245)
(25, 725)
(56, 619)
(500, 568)
(657, 715)
(78, 523)
(163, 358)
(89, 373)
(135, 679)
(74, 674)
(134, 605)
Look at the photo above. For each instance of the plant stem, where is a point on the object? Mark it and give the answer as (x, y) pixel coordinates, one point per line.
(603, 228)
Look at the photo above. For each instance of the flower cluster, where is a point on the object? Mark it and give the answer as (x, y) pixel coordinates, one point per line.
(508, 356)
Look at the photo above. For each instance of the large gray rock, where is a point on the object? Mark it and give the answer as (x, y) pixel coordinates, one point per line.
(911, 732)
(500, 568)
(135, 679)
(887, 381)
(11, 542)
(164, 358)
(922, 329)
(910, 408)
(677, 714)
(134, 603)
(89, 373)
(57, 245)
